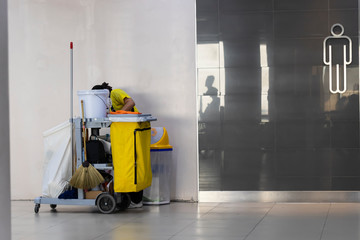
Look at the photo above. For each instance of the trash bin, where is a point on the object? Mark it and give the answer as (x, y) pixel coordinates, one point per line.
(160, 155)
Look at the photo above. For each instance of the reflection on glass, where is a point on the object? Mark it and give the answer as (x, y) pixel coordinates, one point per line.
(203, 74)
(208, 55)
(222, 77)
(210, 103)
(264, 83)
(211, 90)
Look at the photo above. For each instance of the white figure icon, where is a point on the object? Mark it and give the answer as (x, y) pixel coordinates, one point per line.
(337, 31)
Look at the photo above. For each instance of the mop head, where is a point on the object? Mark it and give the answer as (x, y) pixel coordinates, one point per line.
(86, 177)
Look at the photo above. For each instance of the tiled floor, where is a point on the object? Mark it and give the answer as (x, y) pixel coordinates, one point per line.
(190, 221)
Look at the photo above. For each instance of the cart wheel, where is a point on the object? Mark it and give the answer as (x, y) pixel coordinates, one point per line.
(125, 201)
(37, 207)
(106, 203)
(53, 206)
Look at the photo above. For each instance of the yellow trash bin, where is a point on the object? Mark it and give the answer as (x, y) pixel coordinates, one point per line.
(160, 152)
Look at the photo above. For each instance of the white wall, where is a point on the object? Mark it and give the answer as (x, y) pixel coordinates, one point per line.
(144, 47)
(5, 219)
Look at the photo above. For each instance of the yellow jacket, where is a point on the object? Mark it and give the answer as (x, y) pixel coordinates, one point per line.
(117, 98)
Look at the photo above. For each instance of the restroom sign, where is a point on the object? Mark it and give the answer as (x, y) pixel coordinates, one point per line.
(337, 55)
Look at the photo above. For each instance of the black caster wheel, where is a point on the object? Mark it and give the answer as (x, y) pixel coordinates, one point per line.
(106, 203)
(53, 206)
(37, 207)
(125, 202)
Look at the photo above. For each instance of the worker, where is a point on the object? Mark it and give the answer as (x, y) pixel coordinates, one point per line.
(120, 100)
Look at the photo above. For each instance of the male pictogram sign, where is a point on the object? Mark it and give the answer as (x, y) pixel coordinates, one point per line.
(337, 45)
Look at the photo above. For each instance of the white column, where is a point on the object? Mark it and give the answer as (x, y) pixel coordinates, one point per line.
(5, 220)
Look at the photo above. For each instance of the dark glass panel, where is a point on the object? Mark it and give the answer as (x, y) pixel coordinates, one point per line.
(296, 5)
(245, 5)
(301, 24)
(336, 4)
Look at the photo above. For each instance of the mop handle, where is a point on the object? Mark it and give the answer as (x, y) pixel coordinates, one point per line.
(71, 81)
(71, 108)
(82, 111)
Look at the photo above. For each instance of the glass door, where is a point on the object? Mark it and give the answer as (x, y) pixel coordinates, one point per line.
(274, 111)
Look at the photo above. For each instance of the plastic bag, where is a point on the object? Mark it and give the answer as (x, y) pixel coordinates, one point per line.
(57, 160)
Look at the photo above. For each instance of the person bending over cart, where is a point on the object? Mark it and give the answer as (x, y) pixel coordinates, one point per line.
(120, 100)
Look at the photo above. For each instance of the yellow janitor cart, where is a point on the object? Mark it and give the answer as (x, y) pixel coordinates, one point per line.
(131, 166)
(130, 143)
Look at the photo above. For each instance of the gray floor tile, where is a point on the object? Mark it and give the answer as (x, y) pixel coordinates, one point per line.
(292, 221)
(190, 221)
(343, 222)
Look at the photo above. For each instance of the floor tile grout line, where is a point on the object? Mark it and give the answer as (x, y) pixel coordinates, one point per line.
(325, 222)
(192, 222)
(247, 235)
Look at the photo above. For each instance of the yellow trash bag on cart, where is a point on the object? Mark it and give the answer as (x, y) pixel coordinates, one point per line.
(130, 144)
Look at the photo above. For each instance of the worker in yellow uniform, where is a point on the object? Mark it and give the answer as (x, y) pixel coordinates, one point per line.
(120, 100)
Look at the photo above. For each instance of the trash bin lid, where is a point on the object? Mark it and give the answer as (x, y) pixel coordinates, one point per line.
(159, 138)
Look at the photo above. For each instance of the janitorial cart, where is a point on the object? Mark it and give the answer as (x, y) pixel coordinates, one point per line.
(130, 143)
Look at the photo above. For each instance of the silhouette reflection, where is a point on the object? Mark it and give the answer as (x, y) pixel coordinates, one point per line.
(210, 140)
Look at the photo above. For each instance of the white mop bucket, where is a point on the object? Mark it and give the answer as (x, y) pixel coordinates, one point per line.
(96, 102)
